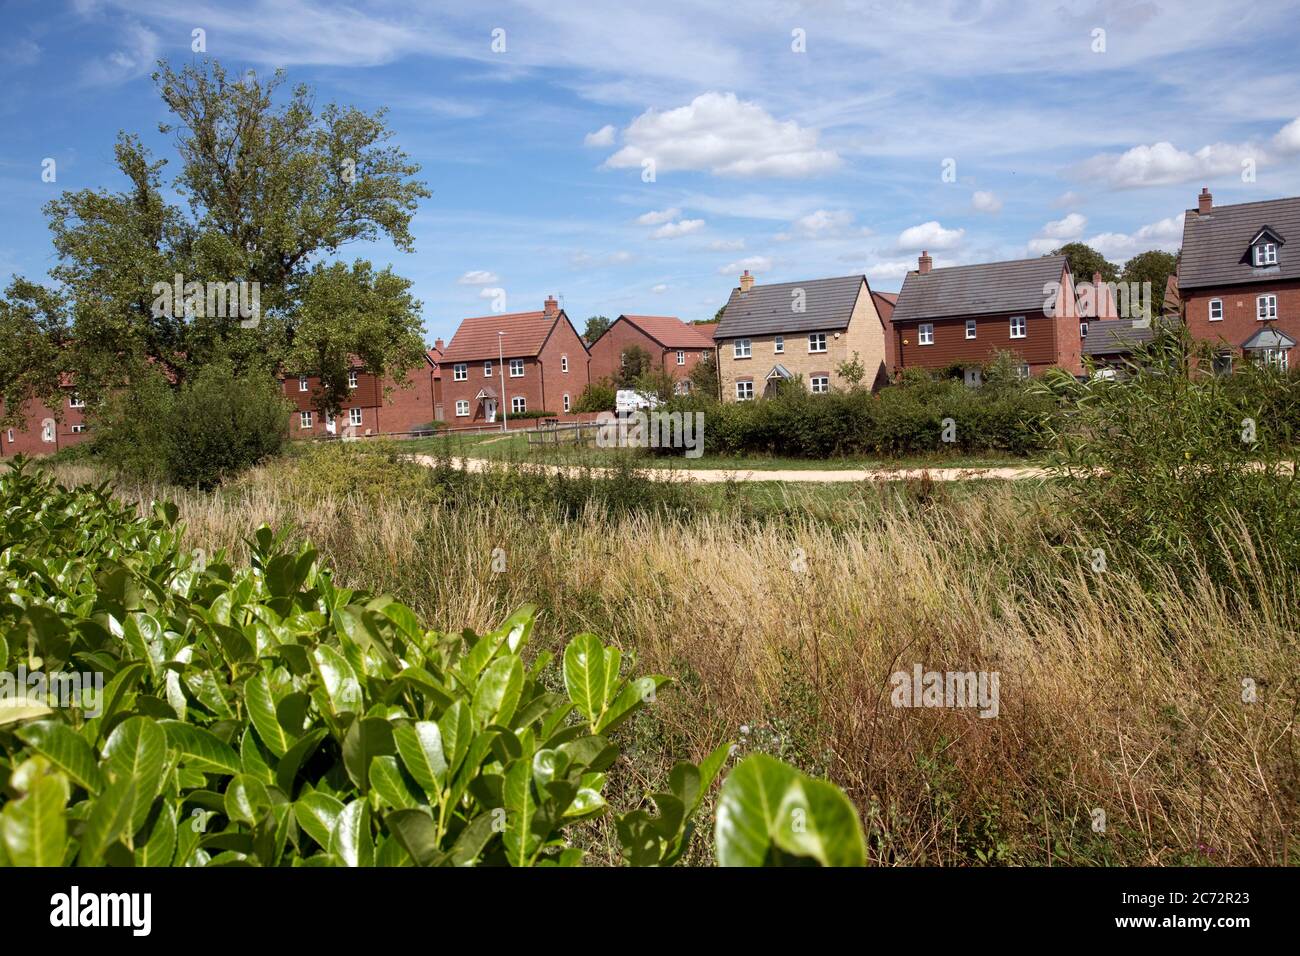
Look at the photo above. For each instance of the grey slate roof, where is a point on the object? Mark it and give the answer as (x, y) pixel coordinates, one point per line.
(766, 309)
(1115, 336)
(1215, 246)
(1269, 338)
(982, 289)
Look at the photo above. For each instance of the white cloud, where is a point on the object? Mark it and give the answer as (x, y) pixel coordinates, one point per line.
(1067, 199)
(1055, 233)
(1288, 138)
(726, 136)
(1071, 227)
(727, 245)
(929, 235)
(134, 58)
(490, 293)
(659, 289)
(823, 223)
(1164, 164)
(478, 277)
(585, 260)
(675, 230)
(1166, 234)
(661, 216)
(755, 264)
(890, 269)
(602, 137)
(985, 201)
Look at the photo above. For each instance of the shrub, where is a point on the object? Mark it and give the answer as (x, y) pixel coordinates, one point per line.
(213, 426)
(598, 396)
(263, 715)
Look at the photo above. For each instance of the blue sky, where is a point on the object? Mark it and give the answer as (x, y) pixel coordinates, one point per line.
(794, 163)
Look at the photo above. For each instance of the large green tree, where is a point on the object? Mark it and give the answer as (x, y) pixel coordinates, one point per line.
(270, 186)
(596, 326)
(1085, 261)
(1155, 267)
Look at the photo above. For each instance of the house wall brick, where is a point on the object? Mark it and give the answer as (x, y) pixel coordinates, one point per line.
(1239, 321)
(28, 438)
(607, 351)
(563, 341)
(864, 335)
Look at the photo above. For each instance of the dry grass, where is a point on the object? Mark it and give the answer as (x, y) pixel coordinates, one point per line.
(1114, 698)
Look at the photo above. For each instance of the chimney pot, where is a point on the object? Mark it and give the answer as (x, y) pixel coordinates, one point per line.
(1204, 202)
(746, 281)
(437, 344)
(924, 263)
(551, 307)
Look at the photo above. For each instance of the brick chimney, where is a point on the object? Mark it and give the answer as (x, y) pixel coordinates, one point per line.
(746, 281)
(924, 263)
(1204, 202)
(437, 344)
(551, 307)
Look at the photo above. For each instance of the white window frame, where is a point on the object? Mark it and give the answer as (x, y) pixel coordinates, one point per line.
(1266, 254)
(302, 383)
(518, 404)
(1083, 330)
(78, 428)
(925, 333)
(487, 368)
(11, 436)
(47, 432)
(1266, 307)
(75, 402)
(1018, 322)
(745, 394)
(462, 408)
(564, 364)
(816, 342)
(681, 357)
(566, 404)
(778, 345)
(1274, 358)
(971, 329)
(460, 371)
(1216, 305)
(516, 368)
(1022, 370)
(354, 416)
(741, 349)
(352, 378)
(819, 384)
(304, 420)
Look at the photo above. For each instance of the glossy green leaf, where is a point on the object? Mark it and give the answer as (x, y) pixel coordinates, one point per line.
(521, 808)
(67, 751)
(33, 828)
(498, 691)
(201, 749)
(317, 813)
(420, 746)
(367, 738)
(261, 710)
(584, 675)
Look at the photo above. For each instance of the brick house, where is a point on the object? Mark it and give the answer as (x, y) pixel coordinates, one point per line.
(520, 361)
(885, 303)
(773, 332)
(1238, 285)
(674, 347)
(43, 432)
(964, 315)
(408, 406)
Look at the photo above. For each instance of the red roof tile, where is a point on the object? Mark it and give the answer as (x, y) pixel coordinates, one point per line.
(670, 331)
(525, 332)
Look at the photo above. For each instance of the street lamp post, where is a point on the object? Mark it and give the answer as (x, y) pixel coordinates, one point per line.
(501, 368)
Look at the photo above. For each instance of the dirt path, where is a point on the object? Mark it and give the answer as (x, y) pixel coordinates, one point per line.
(713, 475)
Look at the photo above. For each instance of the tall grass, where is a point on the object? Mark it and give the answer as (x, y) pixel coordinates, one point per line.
(1122, 736)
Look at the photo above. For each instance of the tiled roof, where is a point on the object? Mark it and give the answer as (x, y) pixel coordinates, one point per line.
(1216, 246)
(705, 329)
(670, 331)
(983, 289)
(768, 309)
(885, 303)
(476, 339)
(1114, 336)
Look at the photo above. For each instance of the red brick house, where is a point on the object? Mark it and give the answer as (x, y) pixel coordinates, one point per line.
(519, 362)
(885, 303)
(1238, 285)
(367, 410)
(674, 346)
(964, 315)
(43, 432)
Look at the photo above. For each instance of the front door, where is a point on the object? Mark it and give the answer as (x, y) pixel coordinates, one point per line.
(329, 424)
(490, 409)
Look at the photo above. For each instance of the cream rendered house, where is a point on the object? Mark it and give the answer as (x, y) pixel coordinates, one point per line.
(769, 333)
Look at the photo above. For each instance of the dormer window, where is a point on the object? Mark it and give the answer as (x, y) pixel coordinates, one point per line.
(1266, 254)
